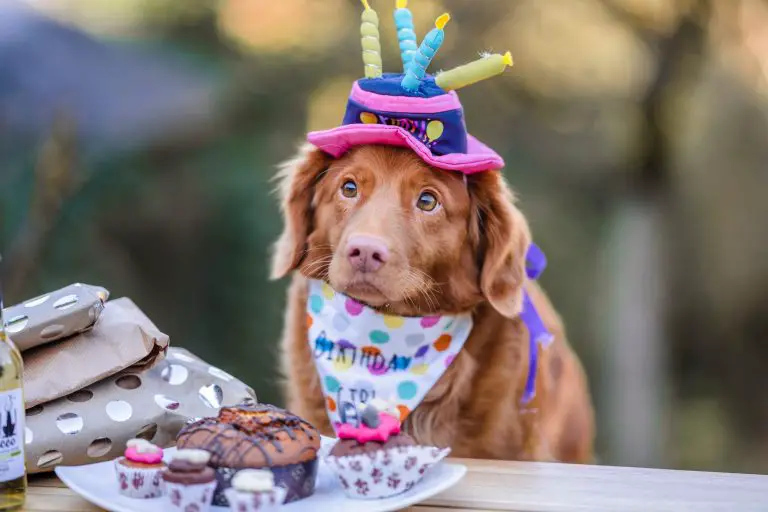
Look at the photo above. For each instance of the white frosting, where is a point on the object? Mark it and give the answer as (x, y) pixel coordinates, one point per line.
(193, 455)
(147, 448)
(253, 480)
(382, 405)
(142, 446)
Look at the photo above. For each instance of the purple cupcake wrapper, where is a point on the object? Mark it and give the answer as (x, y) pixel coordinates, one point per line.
(384, 473)
(139, 483)
(298, 480)
(187, 498)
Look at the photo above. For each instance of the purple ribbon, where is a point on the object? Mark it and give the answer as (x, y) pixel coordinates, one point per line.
(535, 263)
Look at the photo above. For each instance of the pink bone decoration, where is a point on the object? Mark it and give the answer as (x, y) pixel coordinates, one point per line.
(388, 426)
(144, 455)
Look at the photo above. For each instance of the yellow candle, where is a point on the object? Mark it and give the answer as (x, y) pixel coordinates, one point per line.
(369, 32)
(474, 72)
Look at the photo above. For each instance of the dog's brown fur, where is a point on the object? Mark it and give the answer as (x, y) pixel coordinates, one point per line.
(468, 255)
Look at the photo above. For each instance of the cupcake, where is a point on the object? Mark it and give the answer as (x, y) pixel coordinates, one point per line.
(254, 489)
(139, 471)
(380, 429)
(378, 460)
(257, 437)
(189, 482)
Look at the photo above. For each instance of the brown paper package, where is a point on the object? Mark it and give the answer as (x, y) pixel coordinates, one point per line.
(122, 337)
(93, 424)
(55, 315)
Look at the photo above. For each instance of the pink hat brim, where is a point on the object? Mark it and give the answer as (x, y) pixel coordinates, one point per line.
(338, 141)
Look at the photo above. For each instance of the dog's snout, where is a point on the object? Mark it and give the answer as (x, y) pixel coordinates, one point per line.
(366, 253)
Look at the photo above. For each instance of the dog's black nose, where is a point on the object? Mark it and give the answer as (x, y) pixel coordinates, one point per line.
(366, 253)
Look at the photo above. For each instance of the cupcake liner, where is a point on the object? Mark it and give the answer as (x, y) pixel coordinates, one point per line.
(386, 472)
(253, 501)
(139, 482)
(298, 480)
(189, 498)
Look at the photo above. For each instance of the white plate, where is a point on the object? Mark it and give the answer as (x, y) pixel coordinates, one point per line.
(97, 483)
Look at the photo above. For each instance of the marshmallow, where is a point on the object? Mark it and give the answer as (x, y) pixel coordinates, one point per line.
(386, 406)
(193, 455)
(253, 480)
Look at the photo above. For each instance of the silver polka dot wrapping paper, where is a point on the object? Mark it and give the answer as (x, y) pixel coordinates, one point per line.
(98, 373)
(94, 423)
(54, 316)
(122, 337)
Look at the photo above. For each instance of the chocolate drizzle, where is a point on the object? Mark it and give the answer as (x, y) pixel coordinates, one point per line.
(279, 437)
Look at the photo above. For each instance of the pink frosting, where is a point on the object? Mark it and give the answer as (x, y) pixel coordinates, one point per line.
(154, 457)
(388, 426)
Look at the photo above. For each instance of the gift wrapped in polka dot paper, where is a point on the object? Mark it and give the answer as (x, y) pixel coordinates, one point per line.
(122, 337)
(93, 424)
(56, 315)
(98, 373)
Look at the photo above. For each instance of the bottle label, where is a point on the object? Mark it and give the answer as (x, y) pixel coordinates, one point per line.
(11, 435)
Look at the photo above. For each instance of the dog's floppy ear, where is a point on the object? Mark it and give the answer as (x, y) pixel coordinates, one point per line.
(297, 178)
(502, 237)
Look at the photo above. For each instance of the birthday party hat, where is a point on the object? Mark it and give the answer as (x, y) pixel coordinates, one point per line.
(413, 109)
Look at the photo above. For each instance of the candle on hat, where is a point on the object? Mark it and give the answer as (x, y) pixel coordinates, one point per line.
(468, 74)
(416, 70)
(369, 32)
(406, 34)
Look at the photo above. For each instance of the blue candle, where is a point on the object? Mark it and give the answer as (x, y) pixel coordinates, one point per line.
(417, 68)
(405, 33)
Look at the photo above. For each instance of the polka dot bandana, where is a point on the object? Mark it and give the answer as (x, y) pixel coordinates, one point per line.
(361, 354)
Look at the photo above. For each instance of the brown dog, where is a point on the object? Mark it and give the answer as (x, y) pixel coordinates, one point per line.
(383, 227)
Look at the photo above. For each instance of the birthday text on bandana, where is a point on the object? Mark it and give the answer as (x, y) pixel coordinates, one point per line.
(345, 353)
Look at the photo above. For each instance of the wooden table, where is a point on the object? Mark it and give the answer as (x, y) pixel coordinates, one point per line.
(524, 487)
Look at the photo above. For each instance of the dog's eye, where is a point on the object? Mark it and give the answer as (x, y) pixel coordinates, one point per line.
(427, 202)
(349, 189)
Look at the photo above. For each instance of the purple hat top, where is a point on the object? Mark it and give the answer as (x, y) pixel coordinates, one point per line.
(413, 109)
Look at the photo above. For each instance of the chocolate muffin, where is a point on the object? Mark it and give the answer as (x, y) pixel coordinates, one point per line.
(255, 437)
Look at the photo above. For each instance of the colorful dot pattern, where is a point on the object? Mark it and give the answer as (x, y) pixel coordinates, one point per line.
(361, 354)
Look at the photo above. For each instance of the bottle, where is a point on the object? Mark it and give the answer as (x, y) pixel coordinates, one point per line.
(13, 476)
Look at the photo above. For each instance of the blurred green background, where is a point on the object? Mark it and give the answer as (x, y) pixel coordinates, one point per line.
(138, 139)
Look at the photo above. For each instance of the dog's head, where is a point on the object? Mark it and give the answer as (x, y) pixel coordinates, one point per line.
(390, 231)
